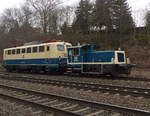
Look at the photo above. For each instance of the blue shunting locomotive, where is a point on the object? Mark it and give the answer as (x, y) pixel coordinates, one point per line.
(85, 59)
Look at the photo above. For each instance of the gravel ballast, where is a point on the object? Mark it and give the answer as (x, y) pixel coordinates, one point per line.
(116, 99)
(94, 79)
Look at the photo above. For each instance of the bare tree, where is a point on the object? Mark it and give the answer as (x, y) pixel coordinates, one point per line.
(27, 13)
(10, 19)
(64, 16)
(147, 21)
(44, 9)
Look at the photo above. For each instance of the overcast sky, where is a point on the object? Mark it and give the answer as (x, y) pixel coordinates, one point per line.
(138, 7)
(9, 3)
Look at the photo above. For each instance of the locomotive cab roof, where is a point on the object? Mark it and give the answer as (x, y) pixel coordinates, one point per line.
(92, 48)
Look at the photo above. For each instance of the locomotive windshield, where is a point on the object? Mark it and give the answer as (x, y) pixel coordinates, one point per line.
(121, 57)
(60, 47)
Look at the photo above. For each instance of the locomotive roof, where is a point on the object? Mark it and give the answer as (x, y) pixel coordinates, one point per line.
(37, 45)
(94, 47)
(83, 46)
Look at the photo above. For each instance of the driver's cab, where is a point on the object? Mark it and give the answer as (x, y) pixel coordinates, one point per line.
(77, 54)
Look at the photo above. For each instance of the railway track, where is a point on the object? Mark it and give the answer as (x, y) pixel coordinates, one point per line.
(145, 79)
(65, 106)
(91, 76)
(113, 89)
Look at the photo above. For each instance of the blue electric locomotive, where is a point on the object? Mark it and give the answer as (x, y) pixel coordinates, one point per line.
(85, 59)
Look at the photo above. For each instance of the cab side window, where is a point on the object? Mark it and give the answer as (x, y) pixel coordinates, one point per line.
(121, 57)
(9, 52)
(35, 49)
(70, 52)
(18, 51)
(75, 51)
(28, 50)
(23, 50)
(41, 48)
(13, 51)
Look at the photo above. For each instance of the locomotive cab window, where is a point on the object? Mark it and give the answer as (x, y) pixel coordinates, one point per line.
(41, 48)
(120, 57)
(60, 47)
(75, 51)
(70, 53)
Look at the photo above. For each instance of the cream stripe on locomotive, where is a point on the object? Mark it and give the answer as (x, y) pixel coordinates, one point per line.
(98, 63)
